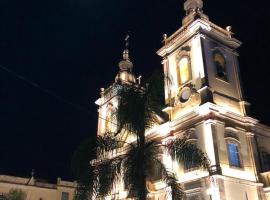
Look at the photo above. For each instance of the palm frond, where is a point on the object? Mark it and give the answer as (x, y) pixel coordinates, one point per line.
(105, 144)
(134, 173)
(108, 175)
(103, 173)
(153, 156)
(134, 112)
(153, 167)
(109, 143)
(156, 168)
(85, 190)
(84, 172)
(176, 191)
(155, 92)
(130, 112)
(187, 153)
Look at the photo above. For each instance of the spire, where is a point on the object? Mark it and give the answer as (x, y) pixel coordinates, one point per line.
(125, 65)
(126, 50)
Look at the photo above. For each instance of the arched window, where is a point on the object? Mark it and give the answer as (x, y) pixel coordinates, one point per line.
(108, 122)
(233, 147)
(220, 64)
(192, 137)
(183, 70)
(234, 154)
(65, 196)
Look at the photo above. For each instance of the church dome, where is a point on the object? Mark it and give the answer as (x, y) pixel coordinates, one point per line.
(125, 69)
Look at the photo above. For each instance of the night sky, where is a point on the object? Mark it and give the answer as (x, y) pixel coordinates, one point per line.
(59, 54)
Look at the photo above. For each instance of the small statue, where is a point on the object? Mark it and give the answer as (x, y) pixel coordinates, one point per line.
(193, 6)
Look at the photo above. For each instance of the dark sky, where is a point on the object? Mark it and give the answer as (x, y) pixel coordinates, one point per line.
(71, 48)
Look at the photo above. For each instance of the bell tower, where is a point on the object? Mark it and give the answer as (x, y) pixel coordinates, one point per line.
(205, 103)
(108, 100)
(201, 65)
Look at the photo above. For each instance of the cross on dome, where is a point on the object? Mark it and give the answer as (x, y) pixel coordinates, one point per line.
(125, 65)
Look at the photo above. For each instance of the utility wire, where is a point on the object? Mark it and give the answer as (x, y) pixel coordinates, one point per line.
(50, 93)
(59, 98)
(46, 91)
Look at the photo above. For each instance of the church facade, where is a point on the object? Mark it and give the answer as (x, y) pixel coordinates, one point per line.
(204, 102)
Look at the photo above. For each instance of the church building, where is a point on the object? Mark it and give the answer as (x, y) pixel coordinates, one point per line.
(204, 102)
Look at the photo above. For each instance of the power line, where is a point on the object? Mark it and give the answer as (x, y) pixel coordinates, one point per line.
(46, 91)
(50, 93)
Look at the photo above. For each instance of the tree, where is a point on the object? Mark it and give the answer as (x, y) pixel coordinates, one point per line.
(16, 194)
(134, 162)
(81, 167)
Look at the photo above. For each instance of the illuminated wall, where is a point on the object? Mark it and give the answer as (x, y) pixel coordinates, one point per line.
(204, 102)
(203, 94)
(36, 190)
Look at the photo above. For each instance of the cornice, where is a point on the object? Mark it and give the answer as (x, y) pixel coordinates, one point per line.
(195, 27)
(212, 113)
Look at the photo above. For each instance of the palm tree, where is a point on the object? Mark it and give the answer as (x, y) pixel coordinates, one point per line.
(134, 161)
(82, 169)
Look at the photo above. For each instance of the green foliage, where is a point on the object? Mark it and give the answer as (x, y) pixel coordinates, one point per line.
(155, 88)
(187, 153)
(81, 168)
(137, 118)
(136, 165)
(16, 194)
(82, 155)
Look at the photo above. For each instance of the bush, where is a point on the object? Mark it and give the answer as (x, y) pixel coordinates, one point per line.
(16, 194)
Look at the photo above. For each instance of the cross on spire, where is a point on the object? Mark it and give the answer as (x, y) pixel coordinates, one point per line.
(126, 50)
(127, 41)
(125, 74)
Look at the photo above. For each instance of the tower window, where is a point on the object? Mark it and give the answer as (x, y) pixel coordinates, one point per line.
(220, 64)
(183, 70)
(266, 161)
(192, 164)
(65, 196)
(108, 120)
(156, 169)
(108, 123)
(233, 151)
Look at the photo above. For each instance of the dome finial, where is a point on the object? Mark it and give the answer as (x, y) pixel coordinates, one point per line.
(194, 11)
(126, 50)
(126, 64)
(125, 74)
(193, 6)
(127, 41)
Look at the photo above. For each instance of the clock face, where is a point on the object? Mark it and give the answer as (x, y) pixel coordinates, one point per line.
(185, 94)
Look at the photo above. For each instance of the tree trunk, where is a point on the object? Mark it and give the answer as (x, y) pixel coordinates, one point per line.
(143, 191)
